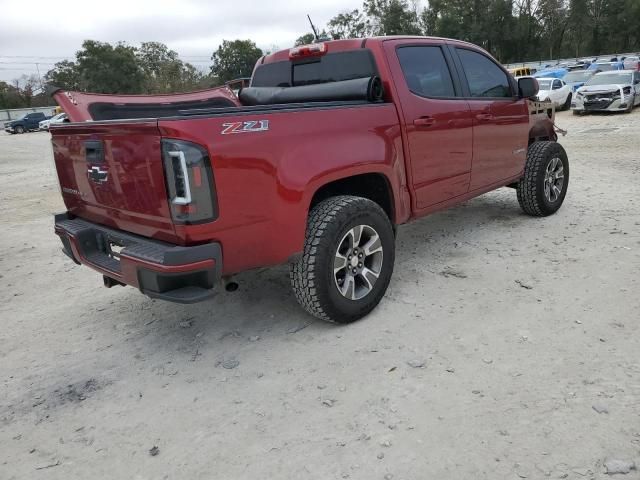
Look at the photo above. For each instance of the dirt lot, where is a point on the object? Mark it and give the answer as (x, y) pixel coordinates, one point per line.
(499, 341)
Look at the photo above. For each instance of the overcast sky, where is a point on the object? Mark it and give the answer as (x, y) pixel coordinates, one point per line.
(37, 31)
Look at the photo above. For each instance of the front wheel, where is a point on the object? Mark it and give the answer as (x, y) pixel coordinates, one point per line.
(347, 261)
(542, 189)
(567, 103)
(19, 129)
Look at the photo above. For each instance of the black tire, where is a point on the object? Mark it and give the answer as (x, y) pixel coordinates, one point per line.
(531, 187)
(19, 129)
(567, 104)
(312, 276)
(577, 113)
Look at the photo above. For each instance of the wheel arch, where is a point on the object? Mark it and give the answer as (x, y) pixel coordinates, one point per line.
(375, 186)
(542, 130)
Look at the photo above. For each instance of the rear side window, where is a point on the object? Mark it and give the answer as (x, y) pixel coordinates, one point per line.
(332, 67)
(484, 77)
(426, 72)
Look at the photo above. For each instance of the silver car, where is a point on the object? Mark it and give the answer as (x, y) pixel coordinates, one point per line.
(616, 91)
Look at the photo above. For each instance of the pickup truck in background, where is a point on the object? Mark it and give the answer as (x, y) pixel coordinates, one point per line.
(315, 164)
(26, 123)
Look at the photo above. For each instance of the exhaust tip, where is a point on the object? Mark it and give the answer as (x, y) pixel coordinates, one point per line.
(110, 282)
(231, 286)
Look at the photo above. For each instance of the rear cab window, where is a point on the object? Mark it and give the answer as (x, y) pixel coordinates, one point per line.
(426, 71)
(332, 67)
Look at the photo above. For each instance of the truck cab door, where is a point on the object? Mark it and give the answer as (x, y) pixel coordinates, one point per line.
(500, 118)
(437, 120)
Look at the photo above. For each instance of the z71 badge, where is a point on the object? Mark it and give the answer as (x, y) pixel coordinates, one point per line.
(245, 127)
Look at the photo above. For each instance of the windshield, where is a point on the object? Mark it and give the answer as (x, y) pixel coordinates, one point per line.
(610, 78)
(604, 66)
(544, 84)
(572, 77)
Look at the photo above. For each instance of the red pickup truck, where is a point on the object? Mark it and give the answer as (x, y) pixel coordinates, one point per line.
(330, 148)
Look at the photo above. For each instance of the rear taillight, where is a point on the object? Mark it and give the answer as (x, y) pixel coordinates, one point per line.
(190, 182)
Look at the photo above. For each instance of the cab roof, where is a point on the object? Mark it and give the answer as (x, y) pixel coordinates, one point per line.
(357, 43)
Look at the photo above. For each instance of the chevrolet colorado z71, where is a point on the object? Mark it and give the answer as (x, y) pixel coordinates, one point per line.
(315, 163)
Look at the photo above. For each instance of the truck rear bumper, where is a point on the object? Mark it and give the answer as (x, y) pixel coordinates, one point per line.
(160, 270)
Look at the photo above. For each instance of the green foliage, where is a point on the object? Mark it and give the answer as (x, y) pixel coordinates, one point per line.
(104, 68)
(163, 71)
(353, 24)
(234, 59)
(392, 17)
(10, 96)
(305, 39)
(513, 30)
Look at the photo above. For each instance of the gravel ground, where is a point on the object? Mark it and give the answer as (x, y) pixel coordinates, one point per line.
(507, 347)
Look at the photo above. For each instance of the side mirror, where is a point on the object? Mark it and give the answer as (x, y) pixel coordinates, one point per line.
(528, 87)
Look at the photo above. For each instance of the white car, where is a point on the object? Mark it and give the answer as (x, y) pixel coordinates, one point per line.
(616, 91)
(60, 118)
(555, 91)
(632, 63)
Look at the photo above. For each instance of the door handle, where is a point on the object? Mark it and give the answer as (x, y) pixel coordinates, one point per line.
(424, 122)
(484, 117)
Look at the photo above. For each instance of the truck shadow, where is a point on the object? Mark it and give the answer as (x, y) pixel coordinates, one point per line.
(265, 302)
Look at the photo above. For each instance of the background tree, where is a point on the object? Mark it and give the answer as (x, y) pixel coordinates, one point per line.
(64, 75)
(104, 68)
(234, 59)
(163, 71)
(392, 17)
(353, 24)
(305, 39)
(10, 96)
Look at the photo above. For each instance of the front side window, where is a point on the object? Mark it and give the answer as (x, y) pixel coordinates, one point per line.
(426, 72)
(484, 77)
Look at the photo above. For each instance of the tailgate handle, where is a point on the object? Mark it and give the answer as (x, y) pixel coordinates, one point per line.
(94, 153)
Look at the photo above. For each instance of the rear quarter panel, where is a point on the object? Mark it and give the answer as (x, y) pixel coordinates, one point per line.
(265, 180)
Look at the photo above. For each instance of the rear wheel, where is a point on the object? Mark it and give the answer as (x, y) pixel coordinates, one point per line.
(567, 104)
(347, 260)
(19, 129)
(542, 189)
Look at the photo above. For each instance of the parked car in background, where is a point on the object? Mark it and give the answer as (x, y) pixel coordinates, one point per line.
(577, 78)
(521, 72)
(26, 123)
(608, 91)
(555, 91)
(551, 73)
(632, 63)
(606, 66)
(44, 124)
(579, 65)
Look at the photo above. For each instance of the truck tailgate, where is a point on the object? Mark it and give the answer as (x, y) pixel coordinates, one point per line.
(113, 174)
